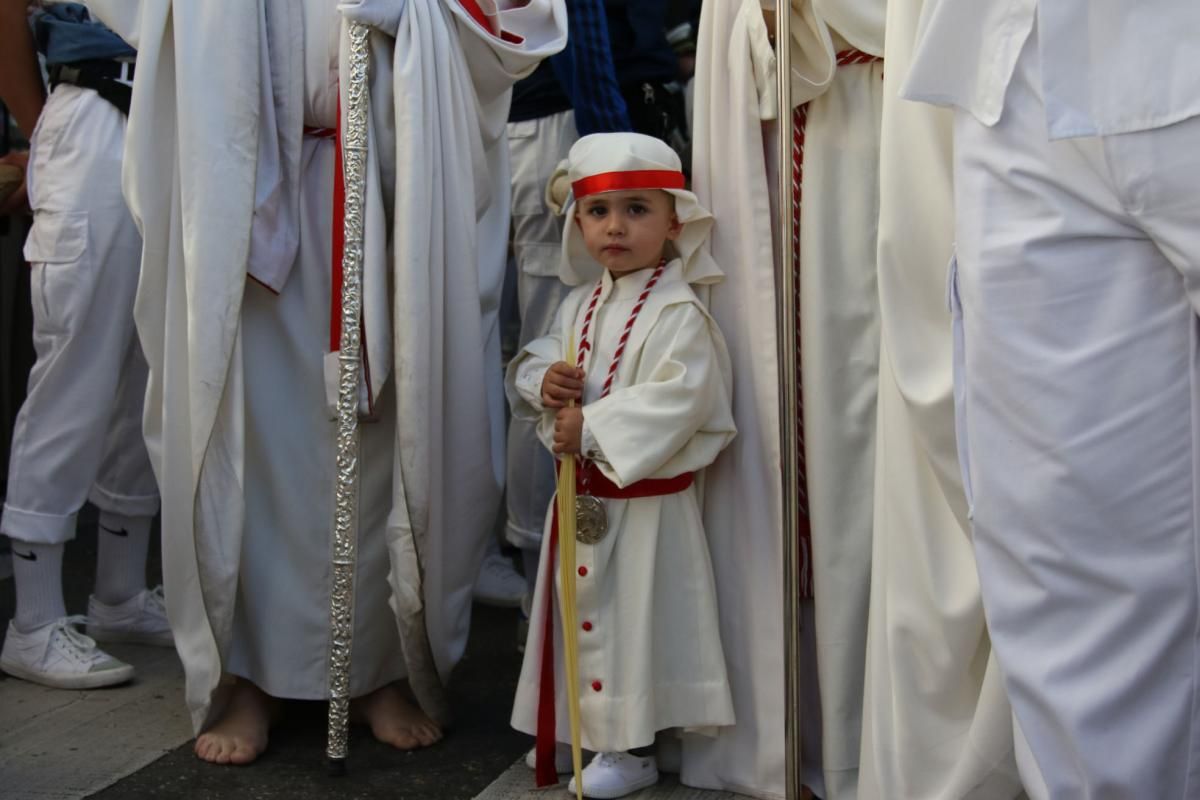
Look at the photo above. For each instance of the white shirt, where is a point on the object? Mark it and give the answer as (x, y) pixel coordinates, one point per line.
(1107, 66)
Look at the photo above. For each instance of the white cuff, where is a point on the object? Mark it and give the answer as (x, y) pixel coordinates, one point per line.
(529, 385)
(588, 446)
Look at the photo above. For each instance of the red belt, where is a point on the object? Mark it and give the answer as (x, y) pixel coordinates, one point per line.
(590, 480)
(597, 486)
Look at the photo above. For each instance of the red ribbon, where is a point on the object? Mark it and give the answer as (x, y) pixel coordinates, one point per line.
(339, 228)
(598, 486)
(628, 180)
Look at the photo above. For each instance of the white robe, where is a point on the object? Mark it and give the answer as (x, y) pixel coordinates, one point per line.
(839, 334)
(228, 161)
(733, 174)
(651, 656)
(936, 719)
(734, 93)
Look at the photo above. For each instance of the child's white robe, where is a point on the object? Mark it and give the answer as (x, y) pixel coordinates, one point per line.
(652, 658)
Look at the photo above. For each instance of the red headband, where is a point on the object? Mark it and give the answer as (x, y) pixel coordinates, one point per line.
(627, 181)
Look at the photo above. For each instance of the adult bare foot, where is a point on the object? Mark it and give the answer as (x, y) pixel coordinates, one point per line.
(394, 719)
(240, 735)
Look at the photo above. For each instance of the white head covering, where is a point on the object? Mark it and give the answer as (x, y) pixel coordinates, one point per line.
(610, 162)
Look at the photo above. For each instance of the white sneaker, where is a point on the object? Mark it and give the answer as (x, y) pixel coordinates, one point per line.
(61, 657)
(142, 619)
(612, 775)
(562, 758)
(499, 584)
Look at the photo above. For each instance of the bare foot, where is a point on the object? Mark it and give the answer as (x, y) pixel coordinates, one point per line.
(240, 735)
(394, 719)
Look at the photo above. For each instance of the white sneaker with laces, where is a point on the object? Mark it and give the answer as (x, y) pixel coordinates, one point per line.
(142, 619)
(498, 583)
(59, 656)
(562, 758)
(612, 775)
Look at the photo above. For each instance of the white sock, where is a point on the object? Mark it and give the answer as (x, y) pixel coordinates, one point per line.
(37, 570)
(121, 557)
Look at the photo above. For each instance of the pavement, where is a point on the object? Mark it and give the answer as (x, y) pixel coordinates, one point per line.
(134, 742)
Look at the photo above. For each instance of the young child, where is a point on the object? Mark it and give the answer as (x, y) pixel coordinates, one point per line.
(652, 388)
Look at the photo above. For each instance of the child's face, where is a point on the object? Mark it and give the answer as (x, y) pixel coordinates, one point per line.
(626, 231)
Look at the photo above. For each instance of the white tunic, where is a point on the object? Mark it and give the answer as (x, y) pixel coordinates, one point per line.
(1094, 60)
(281, 617)
(650, 655)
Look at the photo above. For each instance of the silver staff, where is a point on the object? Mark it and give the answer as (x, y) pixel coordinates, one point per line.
(345, 519)
(785, 310)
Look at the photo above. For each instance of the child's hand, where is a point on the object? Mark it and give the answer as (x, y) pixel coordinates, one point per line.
(568, 429)
(562, 383)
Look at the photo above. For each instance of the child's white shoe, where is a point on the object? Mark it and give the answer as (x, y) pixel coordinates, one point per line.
(562, 758)
(612, 775)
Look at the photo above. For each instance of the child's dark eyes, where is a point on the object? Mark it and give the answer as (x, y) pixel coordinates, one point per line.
(597, 211)
(637, 208)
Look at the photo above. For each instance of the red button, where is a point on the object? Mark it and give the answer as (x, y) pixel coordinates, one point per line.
(587, 626)
(583, 572)
(597, 686)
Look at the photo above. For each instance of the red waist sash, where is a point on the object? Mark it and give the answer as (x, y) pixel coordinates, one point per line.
(590, 480)
(598, 486)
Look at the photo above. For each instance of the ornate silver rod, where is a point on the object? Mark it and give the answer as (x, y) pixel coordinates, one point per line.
(345, 518)
(785, 285)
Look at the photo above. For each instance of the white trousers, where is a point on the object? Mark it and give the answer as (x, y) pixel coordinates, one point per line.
(1076, 297)
(535, 147)
(79, 434)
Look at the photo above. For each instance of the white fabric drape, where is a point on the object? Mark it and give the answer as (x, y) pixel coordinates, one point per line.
(936, 720)
(734, 93)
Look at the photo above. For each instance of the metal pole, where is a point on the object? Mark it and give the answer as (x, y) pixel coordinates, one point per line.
(345, 521)
(785, 285)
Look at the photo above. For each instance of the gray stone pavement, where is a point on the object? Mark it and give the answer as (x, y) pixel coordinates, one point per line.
(134, 742)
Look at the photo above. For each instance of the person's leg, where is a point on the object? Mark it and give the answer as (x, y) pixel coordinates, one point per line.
(240, 734)
(395, 718)
(536, 148)
(122, 608)
(1078, 425)
(81, 253)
